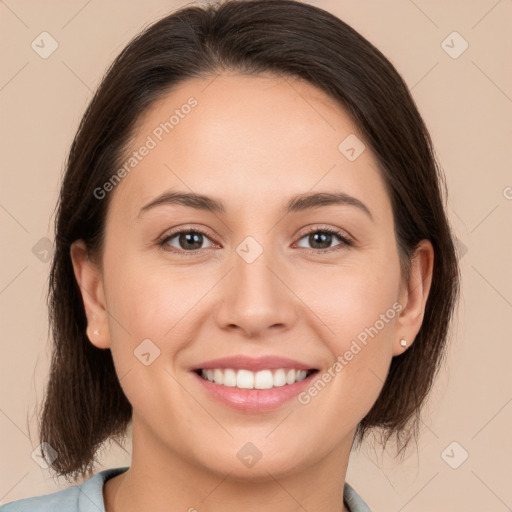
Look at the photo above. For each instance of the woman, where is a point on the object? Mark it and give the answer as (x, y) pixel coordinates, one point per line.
(253, 267)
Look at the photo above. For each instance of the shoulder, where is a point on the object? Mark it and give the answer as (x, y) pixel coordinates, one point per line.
(65, 500)
(353, 501)
(84, 497)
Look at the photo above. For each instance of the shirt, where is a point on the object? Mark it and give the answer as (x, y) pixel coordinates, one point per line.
(88, 497)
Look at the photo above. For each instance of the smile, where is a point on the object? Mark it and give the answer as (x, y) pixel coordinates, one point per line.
(246, 379)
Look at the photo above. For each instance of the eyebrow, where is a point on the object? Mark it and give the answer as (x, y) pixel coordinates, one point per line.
(297, 203)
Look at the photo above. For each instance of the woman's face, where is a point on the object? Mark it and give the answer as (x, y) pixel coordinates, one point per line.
(263, 280)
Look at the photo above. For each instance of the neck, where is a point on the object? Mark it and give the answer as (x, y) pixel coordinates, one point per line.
(163, 481)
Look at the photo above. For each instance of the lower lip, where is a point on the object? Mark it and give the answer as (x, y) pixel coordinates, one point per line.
(255, 400)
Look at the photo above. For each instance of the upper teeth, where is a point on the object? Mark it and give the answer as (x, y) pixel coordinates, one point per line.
(245, 379)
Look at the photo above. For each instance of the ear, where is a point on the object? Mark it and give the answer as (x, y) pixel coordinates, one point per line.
(90, 282)
(413, 296)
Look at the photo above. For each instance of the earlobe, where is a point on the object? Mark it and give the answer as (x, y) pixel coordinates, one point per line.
(415, 296)
(90, 282)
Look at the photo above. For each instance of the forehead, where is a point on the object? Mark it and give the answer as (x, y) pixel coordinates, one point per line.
(247, 139)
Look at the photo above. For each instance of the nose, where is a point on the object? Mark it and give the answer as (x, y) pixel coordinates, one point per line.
(255, 297)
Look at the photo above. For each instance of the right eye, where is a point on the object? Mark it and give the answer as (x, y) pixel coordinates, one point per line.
(187, 240)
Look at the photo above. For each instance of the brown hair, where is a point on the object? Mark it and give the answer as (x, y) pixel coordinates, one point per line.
(84, 403)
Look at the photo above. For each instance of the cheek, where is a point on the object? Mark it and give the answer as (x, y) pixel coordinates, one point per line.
(148, 317)
(147, 303)
(360, 306)
(360, 296)
(151, 298)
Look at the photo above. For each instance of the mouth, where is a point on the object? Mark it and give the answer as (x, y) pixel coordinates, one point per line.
(261, 379)
(254, 384)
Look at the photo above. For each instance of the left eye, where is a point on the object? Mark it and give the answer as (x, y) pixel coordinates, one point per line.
(324, 237)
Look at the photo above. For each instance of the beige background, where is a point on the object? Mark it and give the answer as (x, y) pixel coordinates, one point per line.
(467, 105)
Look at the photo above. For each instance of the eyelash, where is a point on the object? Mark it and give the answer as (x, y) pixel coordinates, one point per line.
(332, 231)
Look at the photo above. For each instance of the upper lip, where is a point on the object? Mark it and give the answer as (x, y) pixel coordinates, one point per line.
(253, 363)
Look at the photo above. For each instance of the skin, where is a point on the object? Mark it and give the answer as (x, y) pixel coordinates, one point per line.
(251, 142)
